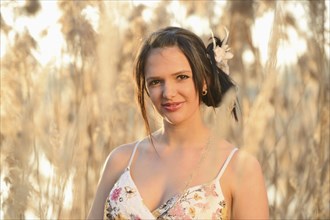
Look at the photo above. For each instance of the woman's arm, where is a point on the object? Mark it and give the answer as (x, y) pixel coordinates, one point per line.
(113, 167)
(249, 191)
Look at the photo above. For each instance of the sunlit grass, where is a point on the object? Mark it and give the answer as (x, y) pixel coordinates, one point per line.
(67, 98)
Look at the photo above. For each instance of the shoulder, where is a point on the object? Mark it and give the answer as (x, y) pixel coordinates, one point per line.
(243, 170)
(118, 158)
(245, 167)
(246, 162)
(248, 182)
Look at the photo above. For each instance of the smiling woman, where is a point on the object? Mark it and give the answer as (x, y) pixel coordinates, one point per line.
(171, 174)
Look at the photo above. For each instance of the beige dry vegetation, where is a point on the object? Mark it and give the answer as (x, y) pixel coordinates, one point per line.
(73, 114)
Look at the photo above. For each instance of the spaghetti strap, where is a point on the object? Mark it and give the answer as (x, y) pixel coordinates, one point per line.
(225, 164)
(132, 156)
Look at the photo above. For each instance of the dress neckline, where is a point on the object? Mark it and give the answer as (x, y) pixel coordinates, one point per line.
(172, 198)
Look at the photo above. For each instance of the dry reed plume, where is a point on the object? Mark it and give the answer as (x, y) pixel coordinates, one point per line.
(67, 117)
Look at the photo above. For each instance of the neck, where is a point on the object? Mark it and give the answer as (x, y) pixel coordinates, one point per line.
(184, 135)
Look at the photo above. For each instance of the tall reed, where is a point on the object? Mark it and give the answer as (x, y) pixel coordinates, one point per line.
(60, 121)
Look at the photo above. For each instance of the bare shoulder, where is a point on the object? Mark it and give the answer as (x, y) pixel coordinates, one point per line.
(242, 163)
(115, 164)
(245, 163)
(245, 169)
(248, 188)
(118, 158)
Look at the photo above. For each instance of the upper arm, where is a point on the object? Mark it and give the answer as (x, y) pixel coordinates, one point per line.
(249, 191)
(113, 167)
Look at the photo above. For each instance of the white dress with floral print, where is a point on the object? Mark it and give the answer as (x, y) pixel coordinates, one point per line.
(205, 201)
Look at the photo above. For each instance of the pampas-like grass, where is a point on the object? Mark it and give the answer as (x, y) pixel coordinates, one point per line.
(59, 122)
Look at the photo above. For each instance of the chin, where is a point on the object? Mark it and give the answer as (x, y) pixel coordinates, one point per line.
(173, 121)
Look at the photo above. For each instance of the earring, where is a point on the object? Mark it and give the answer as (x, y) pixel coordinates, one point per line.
(204, 92)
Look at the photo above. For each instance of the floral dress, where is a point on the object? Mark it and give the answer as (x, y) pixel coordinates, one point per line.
(205, 201)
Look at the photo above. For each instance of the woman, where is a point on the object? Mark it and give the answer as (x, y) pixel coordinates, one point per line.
(183, 170)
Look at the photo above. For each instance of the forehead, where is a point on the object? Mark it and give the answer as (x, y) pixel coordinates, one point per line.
(166, 61)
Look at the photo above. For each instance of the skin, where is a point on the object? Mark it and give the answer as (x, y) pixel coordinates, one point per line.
(161, 175)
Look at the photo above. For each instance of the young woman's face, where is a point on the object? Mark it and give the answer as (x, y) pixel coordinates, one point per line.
(170, 85)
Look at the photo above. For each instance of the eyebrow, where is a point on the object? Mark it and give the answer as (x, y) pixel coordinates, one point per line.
(180, 72)
(173, 74)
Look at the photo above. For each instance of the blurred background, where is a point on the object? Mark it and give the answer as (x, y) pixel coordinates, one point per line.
(67, 96)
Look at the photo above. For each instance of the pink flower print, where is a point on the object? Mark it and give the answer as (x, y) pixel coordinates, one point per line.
(203, 206)
(115, 194)
(178, 212)
(210, 190)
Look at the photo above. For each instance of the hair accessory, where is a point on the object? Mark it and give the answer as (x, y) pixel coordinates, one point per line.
(222, 54)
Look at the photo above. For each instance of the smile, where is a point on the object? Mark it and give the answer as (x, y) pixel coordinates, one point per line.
(172, 106)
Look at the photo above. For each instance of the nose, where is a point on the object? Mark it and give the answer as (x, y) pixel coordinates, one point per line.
(169, 90)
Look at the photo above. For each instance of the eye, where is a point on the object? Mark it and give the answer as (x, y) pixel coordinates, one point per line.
(181, 77)
(153, 82)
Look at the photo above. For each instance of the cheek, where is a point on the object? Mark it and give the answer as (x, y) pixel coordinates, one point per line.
(154, 95)
(191, 92)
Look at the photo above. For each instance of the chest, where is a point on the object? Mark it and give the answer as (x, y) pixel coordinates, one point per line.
(158, 183)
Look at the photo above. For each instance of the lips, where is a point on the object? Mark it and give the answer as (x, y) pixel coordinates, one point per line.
(172, 106)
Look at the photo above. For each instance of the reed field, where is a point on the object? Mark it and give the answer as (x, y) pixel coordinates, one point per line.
(63, 110)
